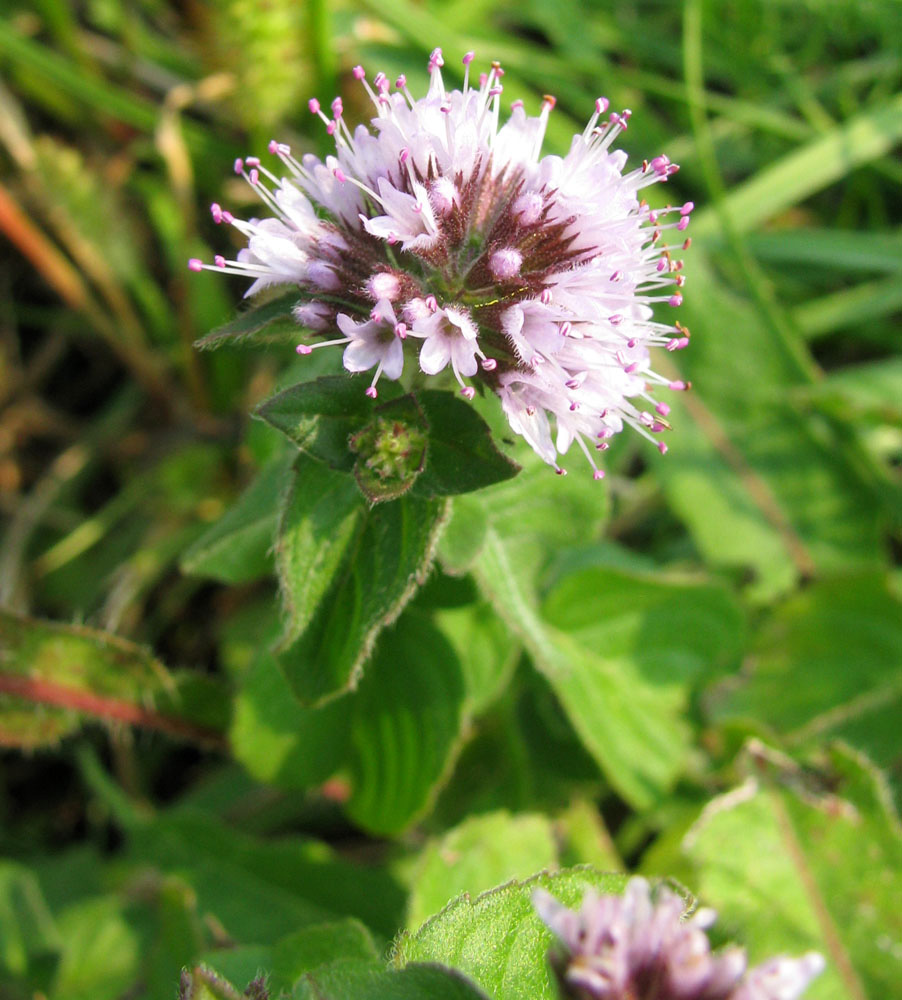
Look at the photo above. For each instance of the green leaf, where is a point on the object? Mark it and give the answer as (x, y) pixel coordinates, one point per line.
(498, 939)
(252, 321)
(30, 943)
(357, 980)
(278, 740)
(238, 547)
(321, 515)
(484, 851)
(641, 644)
(869, 392)
(380, 570)
(464, 537)
(527, 520)
(261, 890)
(853, 308)
(101, 955)
(406, 727)
(791, 868)
(486, 650)
(461, 455)
(639, 684)
(311, 947)
(827, 663)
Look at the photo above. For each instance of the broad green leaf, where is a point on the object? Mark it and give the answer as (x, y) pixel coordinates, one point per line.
(676, 631)
(498, 939)
(484, 851)
(526, 521)
(791, 868)
(261, 890)
(827, 663)
(461, 455)
(254, 320)
(353, 979)
(277, 739)
(238, 547)
(30, 942)
(311, 947)
(102, 951)
(72, 672)
(386, 560)
(643, 741)
(464, 537)
(485, 648)
(406, 726)
(634, 730)
(585, 839)
(320, 517)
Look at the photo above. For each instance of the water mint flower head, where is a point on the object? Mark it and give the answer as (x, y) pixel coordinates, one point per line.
(638, 947)
(441, 237)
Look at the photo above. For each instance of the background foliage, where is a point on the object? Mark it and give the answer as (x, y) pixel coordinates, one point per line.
(692, 671)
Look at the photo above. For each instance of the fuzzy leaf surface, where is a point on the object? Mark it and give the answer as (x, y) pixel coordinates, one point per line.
(498, 939)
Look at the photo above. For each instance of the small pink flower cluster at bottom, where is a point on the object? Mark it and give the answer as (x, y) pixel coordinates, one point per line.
(636, 947)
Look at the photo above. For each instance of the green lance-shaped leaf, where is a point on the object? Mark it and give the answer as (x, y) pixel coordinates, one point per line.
(498, 939)
(252, 322)
(406, 726)
(53, 675)
(346, 571)
(791, 868)
(826, 663)
(238, 547)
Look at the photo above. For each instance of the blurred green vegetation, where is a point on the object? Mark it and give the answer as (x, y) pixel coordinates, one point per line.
(613, 658)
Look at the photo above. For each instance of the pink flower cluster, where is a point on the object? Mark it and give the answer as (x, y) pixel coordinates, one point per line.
(634, 947)
(441, 232)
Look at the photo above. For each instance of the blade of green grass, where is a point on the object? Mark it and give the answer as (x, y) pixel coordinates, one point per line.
(850, 307)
